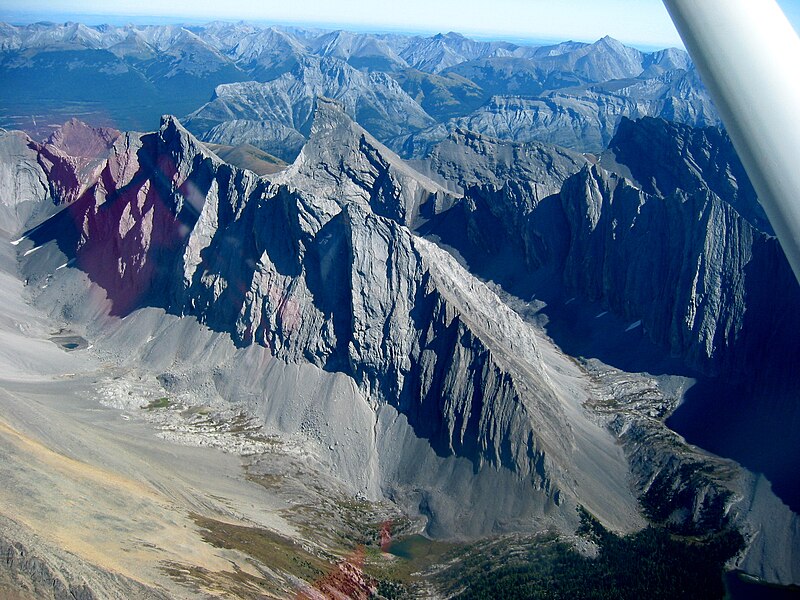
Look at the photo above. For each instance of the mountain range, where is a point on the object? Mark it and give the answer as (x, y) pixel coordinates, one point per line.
(353, 263)
(239, 83)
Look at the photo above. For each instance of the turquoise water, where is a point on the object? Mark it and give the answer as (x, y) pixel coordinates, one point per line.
(411, 548)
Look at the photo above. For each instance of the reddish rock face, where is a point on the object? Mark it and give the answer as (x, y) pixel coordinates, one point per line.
(72, 156)
(80, 140)
(346, 581)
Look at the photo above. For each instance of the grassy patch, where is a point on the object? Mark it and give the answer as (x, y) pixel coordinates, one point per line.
(163, 402)
(287, 560)
(344, 525)
(273, 550)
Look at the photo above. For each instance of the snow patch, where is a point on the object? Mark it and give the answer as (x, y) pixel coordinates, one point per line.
(634, 325)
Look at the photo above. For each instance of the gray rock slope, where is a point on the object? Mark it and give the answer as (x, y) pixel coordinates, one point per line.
(530, 71)
(343, 162)
(317, 266)
(24, 183)
(375, 100)
(34, 570)
(264, 53)
(269, 136)
(438, 52)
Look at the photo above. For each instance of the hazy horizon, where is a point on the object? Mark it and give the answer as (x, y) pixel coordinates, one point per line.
(641, 23)
(94, 20)
(645, 22)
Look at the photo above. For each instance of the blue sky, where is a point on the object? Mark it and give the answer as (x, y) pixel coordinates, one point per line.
(641, 22)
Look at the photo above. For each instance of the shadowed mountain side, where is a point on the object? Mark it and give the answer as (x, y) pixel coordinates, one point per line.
(754, 422)
(671, 280)
(661, 156)
(680, 258)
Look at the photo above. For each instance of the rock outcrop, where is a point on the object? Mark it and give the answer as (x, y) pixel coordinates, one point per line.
(36, 569)
(73, 155)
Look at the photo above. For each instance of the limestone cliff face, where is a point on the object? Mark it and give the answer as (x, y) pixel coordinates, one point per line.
(682, 251)
(675, 263)
(364, 296)
(664, 228)
(23, 181)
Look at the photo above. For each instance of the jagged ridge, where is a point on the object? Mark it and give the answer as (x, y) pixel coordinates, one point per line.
(324, 277)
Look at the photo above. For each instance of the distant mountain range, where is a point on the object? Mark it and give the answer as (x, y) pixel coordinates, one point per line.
(240, 83)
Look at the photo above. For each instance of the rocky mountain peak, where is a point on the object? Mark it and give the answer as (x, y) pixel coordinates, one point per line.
(319, 266)
(174, 135)
(330, 115)
(344, 163)
(609, 42)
